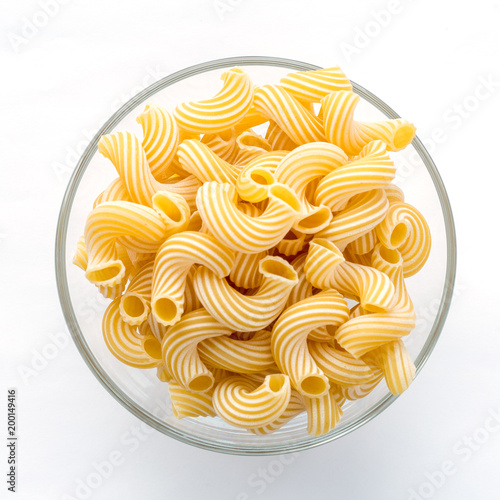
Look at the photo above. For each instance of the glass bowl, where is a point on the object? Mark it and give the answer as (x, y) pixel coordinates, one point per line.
(139, 390)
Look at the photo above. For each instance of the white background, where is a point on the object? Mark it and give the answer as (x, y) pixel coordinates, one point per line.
(62, 79)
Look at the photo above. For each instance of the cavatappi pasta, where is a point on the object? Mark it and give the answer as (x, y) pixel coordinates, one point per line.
(235, 234)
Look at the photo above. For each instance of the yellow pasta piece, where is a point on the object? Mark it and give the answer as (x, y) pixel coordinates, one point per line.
(312, 86)
(217, 204)
(123, 341)
(191, 301)
(323, 412)
(292, 117)
(326, 267)
(180, 349)
(245, 272)
(161, 138)
(405, 228)
(223, 144)
(251, 146)
(241, 356)
(367, 332)
(363, 244)
(373, 169)
(294, 408)
(80, 258)
(116, 191)
(278, 139)
(289, 340)
(247, 313)
(172, 264)
(222, 111)
(361, 215)
(186, 403)
(246, 404)
(105, 224)
(126, 153)
(339, 366)
(135, 302)
(352, 136)
(255, 178)
(204, 164)
(292, 243)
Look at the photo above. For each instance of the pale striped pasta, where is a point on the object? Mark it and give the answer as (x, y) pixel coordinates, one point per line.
(230, 257)
(302, 166)
(289, 340)
(199, 160)
(255, 178)
(126, 153)
(373, 169)
(186, 403)
(217, 206)
(312, 86)
(339, 366)
(223, 144)
(172, 264)
(361, 215)
(222, 111)
(105, 224)
(405, 228)
(292, 117)
(352, 136)
(242, 312)
(295, 407)
(240, 356)
(123, 340)
(180, 349)
(135, 302)
(278, 139)
(246, 404)
(323, 412)
(160, 141)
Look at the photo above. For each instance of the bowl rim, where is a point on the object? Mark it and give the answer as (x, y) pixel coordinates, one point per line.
(63, 289)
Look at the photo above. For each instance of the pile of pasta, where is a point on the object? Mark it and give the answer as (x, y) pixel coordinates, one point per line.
(229, 256)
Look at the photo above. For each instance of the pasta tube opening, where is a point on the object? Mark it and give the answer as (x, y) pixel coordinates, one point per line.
(391, 256)
(108, 271)
(168, 207)
(262, 176)
(314, 385)
(134, 307)
(152, 347)
(276, 382)
(399, 235)
(272, 266)
(316, 220)
(201, 383)
(166, 310)
(286, 195)
(403, 136)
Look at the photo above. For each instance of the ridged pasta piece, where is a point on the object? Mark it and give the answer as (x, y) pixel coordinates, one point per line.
(123, 341)
(135, 302)
(175, 213)
(394, 193)
(186, 403)
(240, 356)
(180, 349)
(312, 86)
(255, 178)
(339, 366)
(245, 272)
(217, 204)
(292, 243)
(115, 191)
(367, 332)
(352, 136)
(289, 340)
(373, 169)
(363, 244)
(172, 264)
(303, 288)
(326, 268)
(251, 119)
(199, 160)
(105, 224)
(162, 375)
(406, 229)
(355, 392)
(244, 403)
(360, 216)
(295, 407)
(191, 301)
(323, 412)
(302, 166)
(225, 109)
(292, 117)
(251, 146)
(126, 153)
(278, 139)
(223, 144)
(160, 141)
(112, 292)
(246, 313)
(396, 364)
(80, 258)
